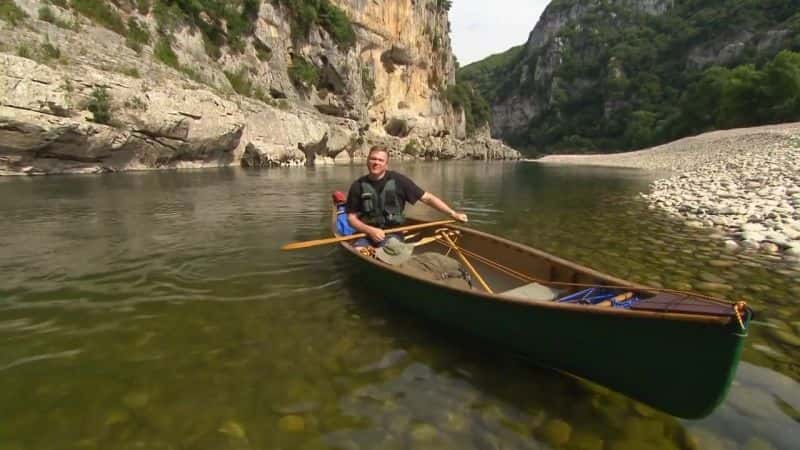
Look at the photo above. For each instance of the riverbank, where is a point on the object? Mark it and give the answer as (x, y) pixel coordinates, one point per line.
(743, 182)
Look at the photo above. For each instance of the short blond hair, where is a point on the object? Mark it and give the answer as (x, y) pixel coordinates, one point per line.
(378, 148)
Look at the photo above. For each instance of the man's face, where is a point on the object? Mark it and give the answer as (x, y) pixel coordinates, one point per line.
(376, 164)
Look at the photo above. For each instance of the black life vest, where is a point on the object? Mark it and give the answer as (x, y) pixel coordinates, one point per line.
(382, 209)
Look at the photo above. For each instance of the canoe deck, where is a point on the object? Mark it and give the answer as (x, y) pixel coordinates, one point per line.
(677, 303)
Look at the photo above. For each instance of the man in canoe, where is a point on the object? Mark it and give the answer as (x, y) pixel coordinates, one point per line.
(376, 201)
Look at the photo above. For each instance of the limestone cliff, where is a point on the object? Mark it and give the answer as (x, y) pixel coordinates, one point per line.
(543, 55)
(614, 75)
(120, 86)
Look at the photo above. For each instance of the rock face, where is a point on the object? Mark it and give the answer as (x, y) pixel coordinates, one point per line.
(538, 79)
(76, 98)
(543, 54)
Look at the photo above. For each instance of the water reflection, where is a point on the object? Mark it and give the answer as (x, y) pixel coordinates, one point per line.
(154, 310)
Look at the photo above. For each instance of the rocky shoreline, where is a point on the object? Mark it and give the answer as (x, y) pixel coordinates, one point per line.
(744, 183)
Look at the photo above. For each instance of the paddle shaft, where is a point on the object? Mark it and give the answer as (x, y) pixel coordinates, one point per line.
(466, 262)
(333, 240)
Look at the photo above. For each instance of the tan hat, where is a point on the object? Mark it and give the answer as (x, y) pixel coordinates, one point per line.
(394, 251)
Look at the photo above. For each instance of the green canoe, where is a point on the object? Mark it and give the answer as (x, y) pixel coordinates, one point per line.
(675, 351)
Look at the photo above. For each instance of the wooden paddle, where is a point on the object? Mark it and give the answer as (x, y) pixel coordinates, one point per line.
(425, 240)
(333, 240)
(466, 262)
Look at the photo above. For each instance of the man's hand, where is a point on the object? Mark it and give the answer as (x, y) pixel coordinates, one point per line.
(376, 234)
(461, 217)
(437, 203)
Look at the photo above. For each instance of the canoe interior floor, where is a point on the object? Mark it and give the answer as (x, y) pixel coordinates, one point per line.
(495, 265)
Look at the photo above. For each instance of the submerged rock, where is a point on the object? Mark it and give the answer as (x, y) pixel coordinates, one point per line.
(292, 423)
(556, 432)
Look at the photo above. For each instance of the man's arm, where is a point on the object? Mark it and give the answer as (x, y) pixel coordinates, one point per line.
(375, 234)
(438, 204)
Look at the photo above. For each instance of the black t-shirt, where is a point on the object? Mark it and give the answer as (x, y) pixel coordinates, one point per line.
(407, 190)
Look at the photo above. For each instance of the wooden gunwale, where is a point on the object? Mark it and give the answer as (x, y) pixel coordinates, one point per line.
(584, 309)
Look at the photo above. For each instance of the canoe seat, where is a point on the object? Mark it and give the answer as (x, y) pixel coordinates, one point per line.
(533, 291)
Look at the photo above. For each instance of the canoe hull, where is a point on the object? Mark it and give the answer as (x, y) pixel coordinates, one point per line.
(681, 367)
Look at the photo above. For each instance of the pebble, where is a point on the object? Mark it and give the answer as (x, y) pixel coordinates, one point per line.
(706, 440)
(748, 192)
(556, 432)
(585, 441)
(714, 287)
(769, 351)
(424, 433)
(136, 400)
(785, 337)
(233, 429)
(757, 443)
(292, 423)
(722, 263)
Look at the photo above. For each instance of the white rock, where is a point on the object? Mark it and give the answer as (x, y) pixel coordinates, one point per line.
(752, 236)
(753, 227)
(731, 245)
(750, 244)
(769, 247)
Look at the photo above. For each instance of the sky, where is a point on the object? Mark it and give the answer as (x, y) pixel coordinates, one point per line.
(479, 28)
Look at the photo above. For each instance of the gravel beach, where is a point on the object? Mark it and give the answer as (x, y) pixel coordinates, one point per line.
(743, 182)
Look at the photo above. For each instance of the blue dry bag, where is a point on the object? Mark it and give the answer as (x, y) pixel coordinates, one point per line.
(342, 225)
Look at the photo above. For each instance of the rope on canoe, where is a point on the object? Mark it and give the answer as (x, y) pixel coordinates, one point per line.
(740, 308)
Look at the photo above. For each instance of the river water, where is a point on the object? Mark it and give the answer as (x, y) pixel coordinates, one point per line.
(154, 310)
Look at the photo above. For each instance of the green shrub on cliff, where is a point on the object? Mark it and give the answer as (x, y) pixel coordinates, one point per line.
(263, 53)
(169, 16)
(10, 12)
(164, 53)
(476, 110)
(24, 51)
(49, 51)
(143, 6)
(102, 13)
(138, 35)
(240, 82)
(99, 106)
(336, 22)
(411, 148)
(367, 82)
(47, 14)
(220, 22)
(303, 73)
(307, 13)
